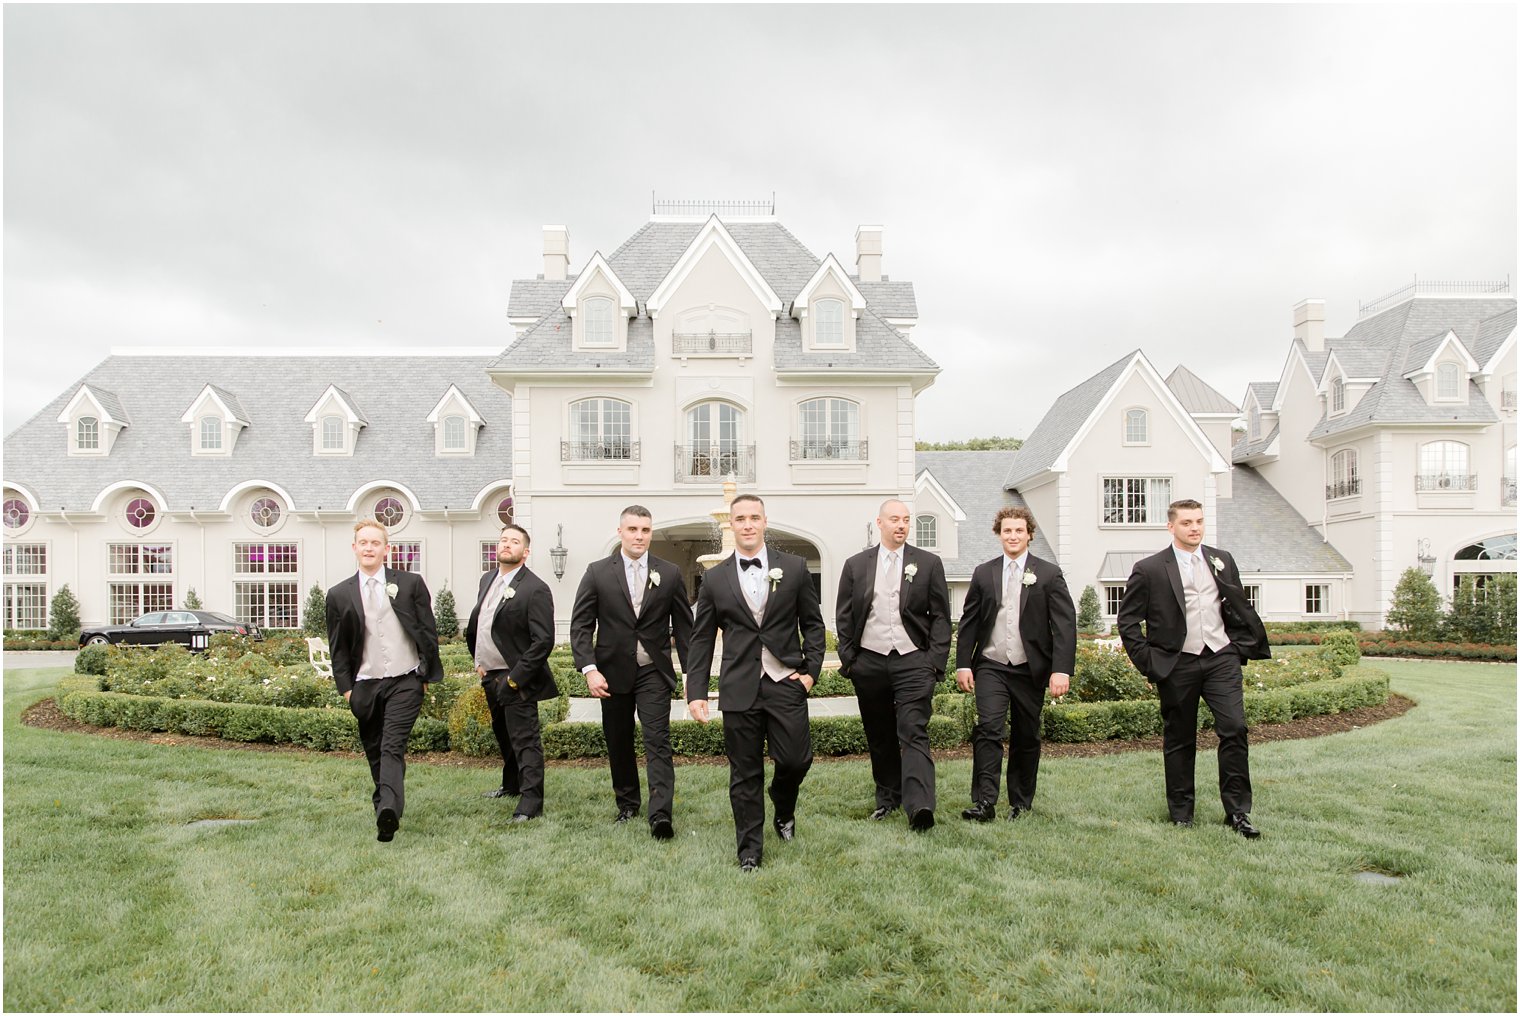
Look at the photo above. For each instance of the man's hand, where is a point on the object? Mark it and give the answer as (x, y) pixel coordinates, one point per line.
(598, 684)
(346, 695)
(807, 682)
(964, 681)
(698, 710)
(1060, 684)
(480, 670)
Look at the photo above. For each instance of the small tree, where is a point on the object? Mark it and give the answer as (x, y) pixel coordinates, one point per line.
(316, 612)
(1471, 618)
(1089, 614)
(63, 616)
(446, 613)
(1416, 607)
(1501, 596)
(192, 601)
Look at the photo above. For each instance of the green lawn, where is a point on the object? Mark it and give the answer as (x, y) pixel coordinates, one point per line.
(1093, 902)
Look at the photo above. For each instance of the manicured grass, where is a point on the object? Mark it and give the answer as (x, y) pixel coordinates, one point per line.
(1092, 902)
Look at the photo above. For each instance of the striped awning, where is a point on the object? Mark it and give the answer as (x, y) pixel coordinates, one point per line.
(1117, 564)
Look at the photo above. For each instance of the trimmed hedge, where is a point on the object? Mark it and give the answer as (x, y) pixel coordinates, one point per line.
(1317, 626)
(1383, 643)
(831, 735)
(22, 645)
(469, 722)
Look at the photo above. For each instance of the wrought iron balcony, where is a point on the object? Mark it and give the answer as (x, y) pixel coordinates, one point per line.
(712, 343)
(715, 462)
(1343, 488)
(1507, 399)
(599, 451)
(839, 451)
(1508, 492)
(1445, 481)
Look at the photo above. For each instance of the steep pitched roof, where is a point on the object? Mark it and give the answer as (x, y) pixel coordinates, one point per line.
(972, 478)
(1265, 392)
(1195, 395)
(1245, 448)
(1491, 335)
(1263, 533)
(1062, 421)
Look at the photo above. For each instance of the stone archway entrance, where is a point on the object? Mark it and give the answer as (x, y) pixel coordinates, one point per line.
(684, 542)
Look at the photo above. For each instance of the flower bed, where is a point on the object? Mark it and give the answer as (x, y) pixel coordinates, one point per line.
(1383, 643)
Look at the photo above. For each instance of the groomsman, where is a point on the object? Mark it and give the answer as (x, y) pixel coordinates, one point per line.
(628, 607)
(1198, 627)
(773, 641)
(893, 618)
(510, 634)
(384, 646)
(1018, 636)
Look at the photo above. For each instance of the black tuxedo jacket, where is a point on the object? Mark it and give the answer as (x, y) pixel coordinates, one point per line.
(1153, 595)
(604, 629)
(345, 625)
(923, 601)
(1047, 618)
(523, 630)
(791, 608)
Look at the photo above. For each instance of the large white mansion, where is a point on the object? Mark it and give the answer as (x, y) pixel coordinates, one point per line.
(717, 345)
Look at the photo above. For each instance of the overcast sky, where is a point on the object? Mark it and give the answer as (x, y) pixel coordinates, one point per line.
(1061, 184)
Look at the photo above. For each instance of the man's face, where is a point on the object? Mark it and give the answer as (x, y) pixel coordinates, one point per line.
(748, 522)
(510, 549)
(634, 531)
(1187, 528)
(1014, 533)
(369, 548)
(893, 524)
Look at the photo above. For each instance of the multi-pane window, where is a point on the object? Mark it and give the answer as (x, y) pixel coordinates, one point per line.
(16, 513)
(713, 430)
(1136, 500)
(1443, 466)
(332, 433)
(1253, 597)
(25, 603)
(1255, 423)
(1345, 477)
(830, 429)
(828, 323)
(926, 531)
(405, 557)
(1316, 599)
(87, 434)
(140, 579)
(265, 512)
(211, 434)
(1338, 395)
(389, 512)
(1448, 382)
(1137, 428)
(602, 429)
(487, 554)
(140, 513)
(504, 512)
(258, 599)
(455, 434)
(1112, 596)
(597, 327)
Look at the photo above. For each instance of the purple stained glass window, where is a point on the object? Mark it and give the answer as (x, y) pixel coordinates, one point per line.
(140, 513)
(16, 513)
(389, 512)
(265, 512)
(504, 512)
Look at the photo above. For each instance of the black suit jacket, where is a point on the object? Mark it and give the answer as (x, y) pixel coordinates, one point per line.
(1153, 595)
(1047, 618)
(791, 608)
(523, 630)
(345, 625)
(923, 601)
(604, 629)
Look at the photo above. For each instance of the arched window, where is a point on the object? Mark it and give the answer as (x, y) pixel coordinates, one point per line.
(455, 434)
(211, 434)
(140, 513)
(926, 532)
(1448, 382)
(1338, 395)
(1495, 548)
(600, 429)
(504, 511)
(597, 327)
(713, 431)
(332, 433)
(828, 323)
(88, 433)
(389, 512)
(829, 429)
(1255, 422)
(1345, 477)
(1137, 426)
(1443, 466)
(265, 512)
(16, 513)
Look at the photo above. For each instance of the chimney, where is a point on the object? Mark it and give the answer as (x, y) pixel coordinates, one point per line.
(868, 253)
(556, 252)
(1309, 324)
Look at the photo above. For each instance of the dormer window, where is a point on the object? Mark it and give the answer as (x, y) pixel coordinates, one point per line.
(332, 433)
(598, 322)
(455, 423)
(92, 421)
(211, 434)
(829, 307)
(828, 326)
(87, 434)
(1137, 427)
(599, 306)
(1255, 422)
(1448, 382)
(455, 434)
(335, 423)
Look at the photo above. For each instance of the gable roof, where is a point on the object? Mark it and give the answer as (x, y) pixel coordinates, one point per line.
(228, 403)
(830, 266)
(714, 236)
(344, 399)
(105, 401)
(1196, 396)
(598, 266)
(1263, 532)
(971, 478)
(1263, 391)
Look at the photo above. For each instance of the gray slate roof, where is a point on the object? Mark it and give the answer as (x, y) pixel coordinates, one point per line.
(1245, 447)
(972, 478)
(1264, 534)
(277, 392)
(109, 401)
(1061, 423)
(647, 257)
(1195, 395)
(1265, 392)
(230, 401)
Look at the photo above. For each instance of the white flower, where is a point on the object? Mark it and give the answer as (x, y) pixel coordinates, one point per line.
(775, 577)
(210, 677)
(392, 589)
(654, 578)
(1218, 564)
(508, 593)
(1028, 577)
(910, 571)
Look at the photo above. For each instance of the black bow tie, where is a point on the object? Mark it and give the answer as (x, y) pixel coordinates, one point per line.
(748, 562)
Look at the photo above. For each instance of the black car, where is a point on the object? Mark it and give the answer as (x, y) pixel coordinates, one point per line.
(190, 628)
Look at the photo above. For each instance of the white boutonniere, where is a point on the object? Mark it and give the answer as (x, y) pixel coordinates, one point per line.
(508, 593)
(392, 589)
(1218, 564)
(1028, 577)
(910, 571)
(775, 577)
(654, 578)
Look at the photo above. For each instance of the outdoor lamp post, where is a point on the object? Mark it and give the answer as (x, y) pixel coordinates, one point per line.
(558, 553)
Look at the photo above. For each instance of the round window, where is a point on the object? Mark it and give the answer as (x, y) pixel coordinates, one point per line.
(17, 513)
(265, 512)
(140, 513)
(389, 512)
(504, 511)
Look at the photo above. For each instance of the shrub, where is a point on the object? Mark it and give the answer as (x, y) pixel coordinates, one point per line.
(1314, 626)
(1342, 647)
(1416, 607)
(446, 613)
(63, 615)
(92, 660)
(1089, 613)
(315, 610)
(470, 725)
(193, 600)
(1105, 674)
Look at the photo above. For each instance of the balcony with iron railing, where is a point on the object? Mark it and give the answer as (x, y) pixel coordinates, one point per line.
(712, 343)
(599, 451)
(1507, 399)
(1442, 482)
(1343, 488)
(837, 451)
(715, 462)
(1508, 492)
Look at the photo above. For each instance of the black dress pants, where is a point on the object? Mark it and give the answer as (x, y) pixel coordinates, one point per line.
(520, 717)
(1214, 677)
(997, 687)
(896, 696)
(386, 710)
(650, 700)
(509, 778)
(779, 717)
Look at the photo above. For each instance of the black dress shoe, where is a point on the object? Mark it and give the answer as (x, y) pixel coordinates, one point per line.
(1242, 825)
(386, 824)
(661, 829)
(786, 830)
(882, 812)
(498, 792)
(921, 820)
(1015, 813)
(748, 864)
(1185, 823)
(981, 811)
(519, 818)
(623, 816)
